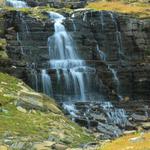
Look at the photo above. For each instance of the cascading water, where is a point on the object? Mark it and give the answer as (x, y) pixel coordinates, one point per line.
(16, 3)
(103, 56)
(74, 76)
(118, 35)
(64, 58)
(46, 83)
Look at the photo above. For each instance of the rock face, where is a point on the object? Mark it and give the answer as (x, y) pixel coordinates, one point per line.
(122, 40)
(35, 121)
(114, 44)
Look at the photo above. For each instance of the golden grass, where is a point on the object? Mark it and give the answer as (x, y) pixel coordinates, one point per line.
(2, 2)
(125, 143)
(140, 10)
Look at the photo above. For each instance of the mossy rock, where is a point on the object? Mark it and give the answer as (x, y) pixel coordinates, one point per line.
(41, 122)
(3, 44)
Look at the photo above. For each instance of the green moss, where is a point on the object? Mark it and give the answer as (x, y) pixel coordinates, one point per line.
(3, 55)
(37, 125)
(3, 44)
(38, 12)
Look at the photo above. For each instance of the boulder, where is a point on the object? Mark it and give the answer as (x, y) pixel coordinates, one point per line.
(59, 147)
(110, 130)
(137, 117)
(145, 125)
(19, 108)
(46, 145)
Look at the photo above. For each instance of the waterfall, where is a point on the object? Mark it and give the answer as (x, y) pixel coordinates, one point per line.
(101, 53)
(102, 19)
(115, 115)
(118, 34)
(63, 56)
(16, 3)
(120, 50)
(20, 42)
(46, 83)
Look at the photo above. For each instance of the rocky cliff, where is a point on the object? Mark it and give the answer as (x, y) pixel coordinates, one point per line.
(31, 120)
(116, 45)
(123, 40)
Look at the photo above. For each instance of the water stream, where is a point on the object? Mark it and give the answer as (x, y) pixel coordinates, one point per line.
(75, 80)
(65, 60)
(16, 3)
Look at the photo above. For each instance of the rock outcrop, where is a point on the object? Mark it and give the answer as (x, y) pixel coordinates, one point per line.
(31, 120)
(116, 45)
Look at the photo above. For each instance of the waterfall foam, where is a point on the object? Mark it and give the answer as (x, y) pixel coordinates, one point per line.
(46, 83)
(63, 56)
(16, 3)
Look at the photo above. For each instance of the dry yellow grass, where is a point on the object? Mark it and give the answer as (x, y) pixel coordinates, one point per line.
(140, 10)
(2, 2)
(125, 143)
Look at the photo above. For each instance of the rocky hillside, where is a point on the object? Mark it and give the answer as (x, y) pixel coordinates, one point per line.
(31, 120)
(113, 38)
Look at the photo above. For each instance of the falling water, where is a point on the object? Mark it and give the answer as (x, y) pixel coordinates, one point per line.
(20, 42)
(64, 57)
(46, 83)
(114, 73)
(101, 53)
(102, 19)
(118, 34)
(116, 116)
(16, 3)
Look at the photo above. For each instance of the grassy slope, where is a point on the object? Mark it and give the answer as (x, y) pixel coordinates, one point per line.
(37, 125)
(128, 143)
(140, 10)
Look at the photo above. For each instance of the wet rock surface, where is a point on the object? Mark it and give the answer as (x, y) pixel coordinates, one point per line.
(123, 41)
(106, 118)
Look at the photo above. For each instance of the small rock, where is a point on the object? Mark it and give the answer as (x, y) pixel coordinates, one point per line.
(129, 132)
(137, 117)
(109, 130)
(146, 125)
(43, 146)
(33, 111)
(4, 83)
(74, 149)
(2, 147)
(126, 98)
(136, 139)
(59, 147)
(19, 108)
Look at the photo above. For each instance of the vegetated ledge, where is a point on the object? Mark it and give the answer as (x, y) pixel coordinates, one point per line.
(136, 141)
(39, 12)
(31, 119)
(138, 10)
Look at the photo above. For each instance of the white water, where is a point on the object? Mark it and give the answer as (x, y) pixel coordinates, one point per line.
(102, 19)
(46, 83)
(101, 53)
(118, 34)
(103, 56)
(63, 56)
(116, 116)
(70, 108)
(20, 42)
(16, 3)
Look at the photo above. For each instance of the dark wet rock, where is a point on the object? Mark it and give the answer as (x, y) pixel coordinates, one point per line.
(28, 51)
(137, 117)
(109, 130)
